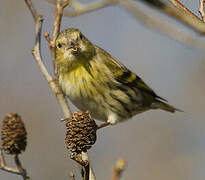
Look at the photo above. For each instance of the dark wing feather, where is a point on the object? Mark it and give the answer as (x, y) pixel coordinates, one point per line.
(125, 76)
(131, 79)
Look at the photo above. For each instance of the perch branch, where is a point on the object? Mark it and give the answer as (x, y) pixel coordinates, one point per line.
(118, 169)
(18, 171)
(37, 56)
(201, 9)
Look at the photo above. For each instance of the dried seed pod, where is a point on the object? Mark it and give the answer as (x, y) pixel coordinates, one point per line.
(81, 132)
(13, 134)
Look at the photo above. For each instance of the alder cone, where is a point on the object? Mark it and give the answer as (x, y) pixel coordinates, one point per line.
(81, 132)
(13, 134)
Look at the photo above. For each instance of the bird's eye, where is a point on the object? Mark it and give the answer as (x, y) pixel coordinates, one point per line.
(72, 43)
(81, 36)
(59, 45)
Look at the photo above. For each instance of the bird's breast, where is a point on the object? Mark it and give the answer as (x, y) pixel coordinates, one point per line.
(84, 91)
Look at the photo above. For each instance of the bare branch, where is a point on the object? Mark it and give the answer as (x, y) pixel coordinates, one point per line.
(4, 167)
(17, 171)
(161, 25)
(180, 6)
(60, 5)
(118, 169)
(31, 8)
(103, 125)
(58, 17)
(201, 9)
(47, 36)
(37, 56)
(2, 159)
(181, 14)
(20, 168)
(80, 8)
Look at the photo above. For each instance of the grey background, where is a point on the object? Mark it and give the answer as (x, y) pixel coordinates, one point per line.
(157, 145)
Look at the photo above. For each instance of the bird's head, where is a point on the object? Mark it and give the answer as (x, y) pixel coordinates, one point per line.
(73, 48)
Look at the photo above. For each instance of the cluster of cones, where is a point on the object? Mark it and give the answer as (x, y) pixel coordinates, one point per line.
(80, 134)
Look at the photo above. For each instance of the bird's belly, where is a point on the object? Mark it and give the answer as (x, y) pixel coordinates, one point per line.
(83, 101)
(103, 102)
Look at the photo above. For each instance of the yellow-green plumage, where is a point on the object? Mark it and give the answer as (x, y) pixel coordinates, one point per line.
(95, 81)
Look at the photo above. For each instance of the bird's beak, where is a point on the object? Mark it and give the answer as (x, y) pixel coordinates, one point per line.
(72, 45)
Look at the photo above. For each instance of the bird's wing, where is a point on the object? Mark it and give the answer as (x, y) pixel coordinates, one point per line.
(125, 76)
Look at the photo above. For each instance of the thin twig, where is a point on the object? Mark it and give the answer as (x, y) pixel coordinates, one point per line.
(47, 36)
(201, 9)
(4, 167)
(118, 169)
(20, 168)
(56, 29)
(80, 8)
(36, 51)
(2, 159)
(152, 21)
(31, 8)
(103, 125)
(161, 25)
(180, 14)
(17, 171)
(37, 56)
(180, 6)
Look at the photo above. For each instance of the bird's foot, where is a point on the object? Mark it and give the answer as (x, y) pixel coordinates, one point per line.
(103, 125)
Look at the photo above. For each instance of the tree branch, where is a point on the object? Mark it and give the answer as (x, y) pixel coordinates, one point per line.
(180, 13)
(80, 8)
(19, 171)
(201, 9)
(20, 167)
(56, 29)
(37, 56)
(4, 167)
(162, 26)
(180, 6)
(36, 51)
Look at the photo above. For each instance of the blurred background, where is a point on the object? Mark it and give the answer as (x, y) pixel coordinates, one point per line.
(157, 145)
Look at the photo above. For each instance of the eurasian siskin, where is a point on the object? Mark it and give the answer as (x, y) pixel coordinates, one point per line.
(97, 82)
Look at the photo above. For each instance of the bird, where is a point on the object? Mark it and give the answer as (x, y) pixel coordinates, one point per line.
(95, 81)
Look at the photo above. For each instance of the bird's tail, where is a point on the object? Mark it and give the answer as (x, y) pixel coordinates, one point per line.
(164, 106)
